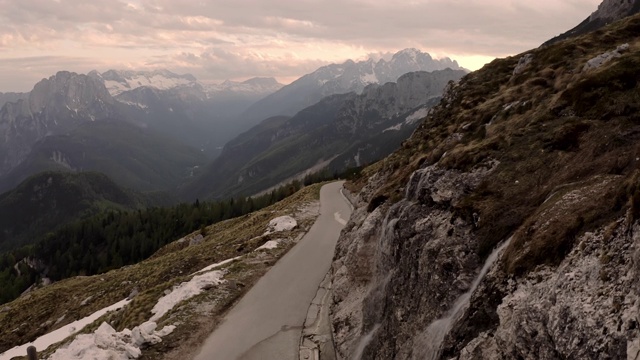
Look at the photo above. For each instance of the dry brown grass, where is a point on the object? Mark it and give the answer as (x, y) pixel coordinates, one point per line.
(550, 126)
(36, 314)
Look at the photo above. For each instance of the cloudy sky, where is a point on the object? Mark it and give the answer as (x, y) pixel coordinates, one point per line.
(237, 39)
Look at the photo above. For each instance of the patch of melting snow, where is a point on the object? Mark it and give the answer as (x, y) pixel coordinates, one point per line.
(44, 341)
(417, 115)
(282, 223)
(271, 244)
(184, 291)
(396, 127)
(213, 266)
(106, 343)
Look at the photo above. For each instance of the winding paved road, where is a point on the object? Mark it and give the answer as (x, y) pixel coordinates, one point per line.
(267, 322)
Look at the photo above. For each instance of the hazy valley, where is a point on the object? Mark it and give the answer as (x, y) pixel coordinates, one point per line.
(487, 214)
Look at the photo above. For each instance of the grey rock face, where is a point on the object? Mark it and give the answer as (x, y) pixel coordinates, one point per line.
(608, 11)
(343, 78)
(522, 64)
(54, 106)
(611, 10)
(399, 268)
(379, 104)
(12, 97)
(605, 58)
(587, 308)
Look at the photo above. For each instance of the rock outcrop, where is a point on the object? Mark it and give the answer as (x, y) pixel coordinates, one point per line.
(508, 225)
(54, 106)
(608, 12)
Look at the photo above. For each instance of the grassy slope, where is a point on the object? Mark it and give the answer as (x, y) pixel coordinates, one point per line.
(567, 129)
(35, 314)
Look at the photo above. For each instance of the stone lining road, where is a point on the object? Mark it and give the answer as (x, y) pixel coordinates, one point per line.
(267, 322)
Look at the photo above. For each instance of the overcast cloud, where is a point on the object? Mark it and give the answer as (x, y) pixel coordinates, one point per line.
(218, 40)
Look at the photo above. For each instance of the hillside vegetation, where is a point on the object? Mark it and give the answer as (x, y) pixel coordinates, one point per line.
(39, 311)
(553, 127)
(115, 237)
(48, 200)
(539, 152)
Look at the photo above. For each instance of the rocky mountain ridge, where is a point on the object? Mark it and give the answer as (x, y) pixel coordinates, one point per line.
(340, 131)
(608, 11)
(12, 97)
(542, 161)
(342, 78)
(121, 81)
(54, 106)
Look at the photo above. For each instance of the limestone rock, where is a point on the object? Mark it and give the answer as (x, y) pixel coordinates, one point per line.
(522, 64)
(602, 59)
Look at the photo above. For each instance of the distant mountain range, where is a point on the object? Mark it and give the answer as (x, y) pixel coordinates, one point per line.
(340, 131)
(153, 130)
(176, 112)
(197, 114)
(120, 81)
(339, 79)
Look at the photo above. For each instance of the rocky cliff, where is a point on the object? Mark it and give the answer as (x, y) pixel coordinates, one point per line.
(55, 105)
(508, 225)
(340, 79)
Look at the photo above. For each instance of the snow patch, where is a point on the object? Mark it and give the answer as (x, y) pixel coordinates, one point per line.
(134, 81)
(417, 115)
(369, 78)
(271, 244)
(106, 343)
(396, 127)
(211, 267)
(136, 104)
(282, 223)
(184, 291)
(44, 341)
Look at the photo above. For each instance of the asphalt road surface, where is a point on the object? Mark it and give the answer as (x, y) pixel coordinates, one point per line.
(267, 322)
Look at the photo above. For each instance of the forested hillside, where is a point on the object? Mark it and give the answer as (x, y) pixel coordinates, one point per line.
(112, 239)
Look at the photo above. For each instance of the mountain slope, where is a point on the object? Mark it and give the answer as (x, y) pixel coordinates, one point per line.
(340, 79)
(541, 158)
(133, 157)
(51, 199)
(12, 97)
(340, 131)
(609, 11)
(54, 106)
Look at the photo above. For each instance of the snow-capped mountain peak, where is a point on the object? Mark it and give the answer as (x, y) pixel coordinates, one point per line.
(256, 85)
(119, 81)
(343, 78)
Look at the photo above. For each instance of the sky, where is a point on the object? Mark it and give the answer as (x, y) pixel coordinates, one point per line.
(217, 40)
